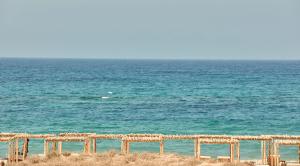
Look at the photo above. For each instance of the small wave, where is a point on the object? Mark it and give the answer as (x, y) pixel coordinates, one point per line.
(109, 92)
(104, 97)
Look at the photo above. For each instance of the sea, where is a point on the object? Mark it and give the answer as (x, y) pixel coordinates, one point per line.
(151, 96)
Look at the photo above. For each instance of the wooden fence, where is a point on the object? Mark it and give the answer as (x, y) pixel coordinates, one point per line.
(269, 143)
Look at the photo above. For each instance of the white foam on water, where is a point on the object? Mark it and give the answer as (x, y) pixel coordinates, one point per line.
(104, 97)
(109, 92)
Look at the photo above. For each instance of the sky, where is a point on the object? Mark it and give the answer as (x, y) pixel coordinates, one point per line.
(150, 29)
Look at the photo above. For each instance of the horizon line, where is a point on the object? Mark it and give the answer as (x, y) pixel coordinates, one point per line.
(183, 59)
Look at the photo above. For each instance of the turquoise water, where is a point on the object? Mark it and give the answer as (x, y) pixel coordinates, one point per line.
(151, 96)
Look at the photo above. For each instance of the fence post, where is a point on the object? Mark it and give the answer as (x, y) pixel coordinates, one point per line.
(127, 147)
(54, 148)
(161, 147)
(263, 152)
(87, 146)
(59, 147)
(46, 146)
(12, 151)
(94, 145)
(25, 148)
(298, 153)
(197, 148)
(238, 151)
(232, 152)
(17, 150)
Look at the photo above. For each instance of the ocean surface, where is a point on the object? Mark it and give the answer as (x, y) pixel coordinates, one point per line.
(151, 96)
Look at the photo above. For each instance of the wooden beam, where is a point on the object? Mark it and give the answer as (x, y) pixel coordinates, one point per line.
(46, 147)
(94, 145)
(12, 151)
(54, 146)
(287, 142)
(238, 152)
(192, 137)
(25, 147)
(34, 136)
(288, 137)
(124, 146)
(263, 152)
(5, 139)
(232, 152)
(66, 139)
(161, 147)
(84, 147)
(107, 136)
(8, 134)
(252, 138)
(271, 160)
(88, 145)
(9, 154)
(144, 135)
(197, 148)
(127, 147)
(269, 148)
(218, 141)
(274, 158)
(298, 153)
(76, 134)
(60, 147)
(142, 139)
(17, 150)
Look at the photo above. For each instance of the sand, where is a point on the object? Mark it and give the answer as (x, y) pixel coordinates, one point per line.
(115, 159)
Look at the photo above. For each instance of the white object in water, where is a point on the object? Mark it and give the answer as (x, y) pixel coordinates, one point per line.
(104, 97)
(109, 92)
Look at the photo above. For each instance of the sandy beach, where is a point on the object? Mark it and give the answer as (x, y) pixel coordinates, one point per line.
(113, 158)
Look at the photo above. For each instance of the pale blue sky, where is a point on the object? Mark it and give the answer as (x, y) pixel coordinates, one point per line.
(169, 29)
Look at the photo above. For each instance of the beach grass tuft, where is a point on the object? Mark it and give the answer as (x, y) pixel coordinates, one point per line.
(112, 158)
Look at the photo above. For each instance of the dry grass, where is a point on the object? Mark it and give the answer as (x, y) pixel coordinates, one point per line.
(114, 159)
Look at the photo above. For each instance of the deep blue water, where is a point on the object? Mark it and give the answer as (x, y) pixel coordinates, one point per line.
(151, 96)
